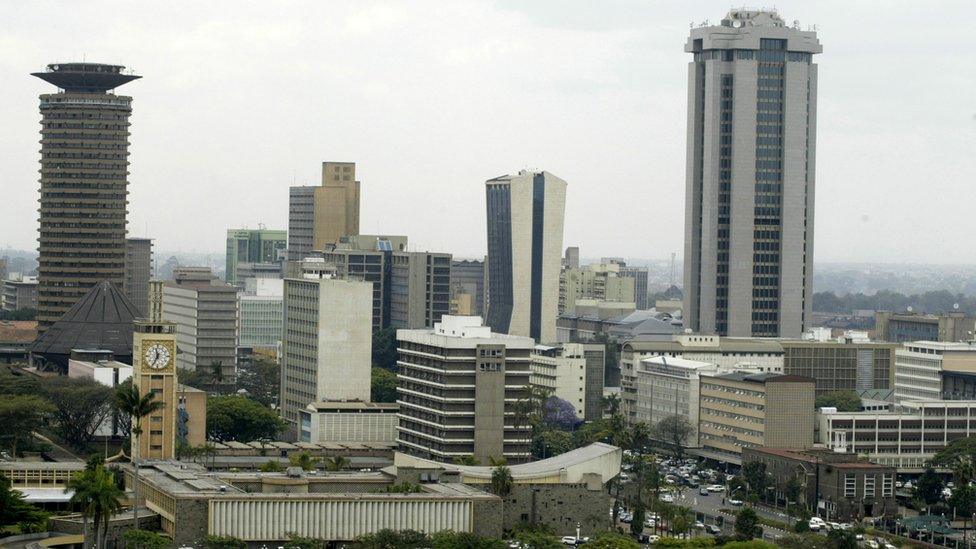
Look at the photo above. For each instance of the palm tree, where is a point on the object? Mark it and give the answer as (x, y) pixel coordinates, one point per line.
(304, 460)
(611, 404)
(130, 402)
(501, 480)
(466, 460)
(96, 491)
(217, 371)
(336, 463)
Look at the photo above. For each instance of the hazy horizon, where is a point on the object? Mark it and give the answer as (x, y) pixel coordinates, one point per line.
(431, 99)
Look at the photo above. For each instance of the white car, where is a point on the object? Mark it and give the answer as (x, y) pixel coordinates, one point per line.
(735, 502)
(888, 545)
(653, 538)
(667, 498)
(569, 540)
(716, 488)
(871, 544)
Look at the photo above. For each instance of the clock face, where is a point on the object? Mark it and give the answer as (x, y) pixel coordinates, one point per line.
(157, 356)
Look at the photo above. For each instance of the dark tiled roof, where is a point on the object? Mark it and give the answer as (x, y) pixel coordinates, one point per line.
(102, 319)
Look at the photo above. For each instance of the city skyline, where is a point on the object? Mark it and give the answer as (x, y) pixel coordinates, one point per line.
(606, 103)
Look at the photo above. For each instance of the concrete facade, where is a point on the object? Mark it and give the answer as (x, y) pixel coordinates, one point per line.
(349, 422)
(204, 310)
(259, 313)
(19, 293)
(751, 157)
(138, 272)
(320, 216)
(840, 365)
(261, 246)
(670, 387)
(327, 343)
(469, 278)
(899, 328)
(600, 282)
(525, 237)
(572, 372)
(921, 366)
(458, 385)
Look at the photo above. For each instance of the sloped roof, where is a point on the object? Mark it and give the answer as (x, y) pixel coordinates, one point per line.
(102, 319)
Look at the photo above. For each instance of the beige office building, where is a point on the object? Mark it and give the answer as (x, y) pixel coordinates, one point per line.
(743, 410)
(327, 343)
(599, 281)
(458, 386)
(319, 216)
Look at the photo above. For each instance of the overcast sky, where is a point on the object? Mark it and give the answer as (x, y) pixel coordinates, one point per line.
(239, 101)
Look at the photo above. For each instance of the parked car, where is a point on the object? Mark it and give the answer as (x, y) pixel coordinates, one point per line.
(871, 544)
(569, 540)
(735, 502)
(703, 491)
(716, 488)
(712, 529)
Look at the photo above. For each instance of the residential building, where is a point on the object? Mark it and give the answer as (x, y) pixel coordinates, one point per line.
(320, 216)
(468, 282)
(840, 486)
(410, 289)
(458, 386)
(571, 260)
(572, 372)
(762, 355)
(262, 245)
(102, 319)
(903, 327)
(204, 310)
(840, 365)
(906, 438)
(744, 410)
(259, 313)
(666, 387)
(600, 282)
(349, 422)
(525, 239)
(750, 176)
(84, 182)
(138, 271)
(19, 292)
(921, 366)
(327, 343)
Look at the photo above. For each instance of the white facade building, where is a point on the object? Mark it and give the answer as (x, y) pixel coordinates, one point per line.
(668, 386)
(919, 367)
(572, 372)
(259, 313)
(356, 422)
(327, 343)
(109, 373)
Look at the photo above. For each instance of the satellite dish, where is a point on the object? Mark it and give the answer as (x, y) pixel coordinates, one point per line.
(910, 309)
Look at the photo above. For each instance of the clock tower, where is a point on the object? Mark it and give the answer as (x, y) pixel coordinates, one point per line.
(154, 370)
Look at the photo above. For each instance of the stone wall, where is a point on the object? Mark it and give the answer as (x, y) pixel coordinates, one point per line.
(559, 507)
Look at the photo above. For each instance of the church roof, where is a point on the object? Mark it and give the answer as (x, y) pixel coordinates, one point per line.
(102, 320)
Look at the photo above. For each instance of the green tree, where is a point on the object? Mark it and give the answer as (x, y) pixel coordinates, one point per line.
(144, 539)
(612, 540)
(960, 456)
(537, 540)
(550, 443)
(304, 460)
(12, 383)
(501, 480)
(98, 495)
(639, 515)
(223, 542)
(80, 406)
(795, 498)
(389, 539)
(14, 508)
(20, 416)
(261, 378)
(271, 466)
(805, 540)
(297, 542)
(610, 404)
(19, 314)
(130, 403)
(756, 477)
(747, 525)
(611, 351)
(844, 401)
(466, 460)
(216, 371)
(963, 501)
(842, 539)
(691, 543)
(674, 430)
(682, 520)
(385, 349)
(929, 487)
(336, 463)
(241, 419)
(383, 385)
(464, 540)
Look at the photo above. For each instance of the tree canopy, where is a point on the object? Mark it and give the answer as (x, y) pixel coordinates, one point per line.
(261, 378)
(383, 385)
(241, 419)
(929, 486)
(385, 349)
(747, 525)
(960, 456)
(844, 401)
(80, 406)
(20, 415)
(674, 431)
(559, 414)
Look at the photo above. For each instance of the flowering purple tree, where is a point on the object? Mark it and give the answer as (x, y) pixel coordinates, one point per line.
(559, 414)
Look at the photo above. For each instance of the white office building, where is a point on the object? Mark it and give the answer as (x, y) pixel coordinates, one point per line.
(259, 313)
(920, 367)
(668, 386)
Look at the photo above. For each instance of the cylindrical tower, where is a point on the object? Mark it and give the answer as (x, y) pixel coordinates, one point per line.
(84, 179)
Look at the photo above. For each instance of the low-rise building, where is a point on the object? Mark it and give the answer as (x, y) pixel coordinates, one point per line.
(16, 337)
(839, 486)
(745, 410)
(19, 292)
(356, 422)
(903, 327)
(669, 386)
(572, 372)
(906, 438)
(920, 368)
(599, 282)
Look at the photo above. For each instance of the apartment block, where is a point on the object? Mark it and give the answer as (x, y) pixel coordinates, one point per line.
(600, 282)
(138, 272)
(259, 313)
(573, 372)
(320, 216)
(640, 276)
(327, 343)
(458, 387)
(204, 310)
(744, 410)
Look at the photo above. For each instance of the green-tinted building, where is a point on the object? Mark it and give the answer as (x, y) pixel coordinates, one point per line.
(253, 246)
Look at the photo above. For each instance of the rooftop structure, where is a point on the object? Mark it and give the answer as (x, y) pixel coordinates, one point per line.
(86, 77)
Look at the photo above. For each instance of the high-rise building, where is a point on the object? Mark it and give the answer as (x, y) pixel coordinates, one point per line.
(204, 310)
(749, 202)
(571, 259)
(525, 240)
(138, 271)
(572, 372)
(319, 216)
(252, 246)
(326, 350)
(902, 327)
(259, 310)
(84, 182)
(600, 282)
(468, 295)
(410, 289)
(458, 385)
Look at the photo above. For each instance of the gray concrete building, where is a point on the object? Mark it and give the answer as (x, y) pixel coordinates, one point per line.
(18, 292)
(573, 372)
(457, 387)
(902, 327)
(204, 310)
(259, 313)
(525, 240)
(138, 272)
(327, 343)
(751, 157)
(468, 284)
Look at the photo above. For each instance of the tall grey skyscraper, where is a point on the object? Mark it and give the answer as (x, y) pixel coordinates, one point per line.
(752, 111)
(525, 240)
